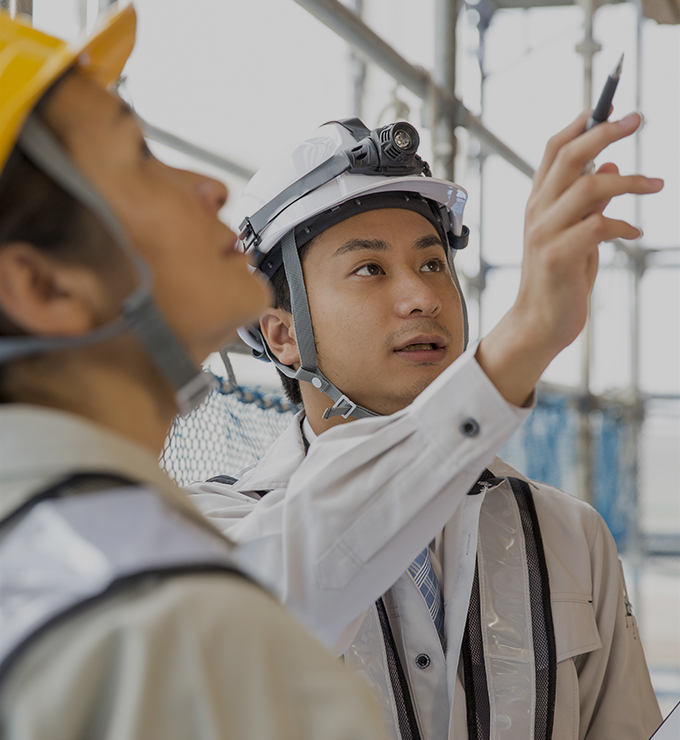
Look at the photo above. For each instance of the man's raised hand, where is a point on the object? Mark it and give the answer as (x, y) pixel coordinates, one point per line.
(564, 225)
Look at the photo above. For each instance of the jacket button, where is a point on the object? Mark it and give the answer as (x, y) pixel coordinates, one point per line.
(423, 661)
(469, 427)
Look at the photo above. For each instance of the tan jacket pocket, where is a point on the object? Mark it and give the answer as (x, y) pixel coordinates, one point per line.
(575, 626)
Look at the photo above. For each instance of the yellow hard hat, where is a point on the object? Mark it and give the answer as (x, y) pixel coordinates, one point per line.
(30, 61)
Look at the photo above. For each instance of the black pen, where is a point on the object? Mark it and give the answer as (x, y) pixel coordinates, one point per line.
(600, 112)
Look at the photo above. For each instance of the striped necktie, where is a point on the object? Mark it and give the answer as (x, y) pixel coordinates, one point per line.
(422, 572)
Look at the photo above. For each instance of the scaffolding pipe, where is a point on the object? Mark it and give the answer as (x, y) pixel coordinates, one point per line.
(82, 16)
(444, 78)
(587, 48)
(104, 5)
(346, 24)
(636, 544)
(15, 7)
(197, 152)
(482, 27)
(358, 71)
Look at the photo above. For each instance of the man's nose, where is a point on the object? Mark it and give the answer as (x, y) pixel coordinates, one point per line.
(416, 296)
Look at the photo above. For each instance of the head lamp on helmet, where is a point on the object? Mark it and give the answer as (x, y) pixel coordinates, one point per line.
(31, 62)
(342, 170)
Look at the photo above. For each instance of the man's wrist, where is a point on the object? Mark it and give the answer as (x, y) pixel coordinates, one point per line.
(514, 366)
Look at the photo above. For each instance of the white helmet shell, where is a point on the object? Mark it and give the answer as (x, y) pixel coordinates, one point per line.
(327, 141)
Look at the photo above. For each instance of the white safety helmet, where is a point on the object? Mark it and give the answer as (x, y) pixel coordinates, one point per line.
(343, 169)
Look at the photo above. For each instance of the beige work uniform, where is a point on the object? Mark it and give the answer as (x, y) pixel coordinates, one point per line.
(603, 689)
(193, 656)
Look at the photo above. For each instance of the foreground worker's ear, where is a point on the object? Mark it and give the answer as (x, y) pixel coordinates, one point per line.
(41, 295)
(279, 331)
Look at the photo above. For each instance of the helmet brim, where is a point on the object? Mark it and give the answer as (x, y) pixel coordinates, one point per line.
(32, 61)
(341, 189)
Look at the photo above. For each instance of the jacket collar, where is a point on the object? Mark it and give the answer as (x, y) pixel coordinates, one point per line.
(501, 469)
(283, 458)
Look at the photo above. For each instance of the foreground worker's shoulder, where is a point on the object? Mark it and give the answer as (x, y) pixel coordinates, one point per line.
(577, 518)
(191, 656)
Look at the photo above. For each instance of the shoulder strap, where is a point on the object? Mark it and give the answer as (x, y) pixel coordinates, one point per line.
(406, 714)
(62, 553)
(479, 652)
(543, 629)
(85, 482)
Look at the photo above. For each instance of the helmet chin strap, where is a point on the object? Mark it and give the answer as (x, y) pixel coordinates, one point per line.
(308, 370)
(139, 312)
(454, 275)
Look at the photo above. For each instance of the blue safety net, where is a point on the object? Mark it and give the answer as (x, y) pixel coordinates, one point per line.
(547, 448)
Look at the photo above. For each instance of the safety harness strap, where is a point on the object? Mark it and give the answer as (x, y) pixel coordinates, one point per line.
(508, 652)
(543, 629)
(406, 714)
(73, 545)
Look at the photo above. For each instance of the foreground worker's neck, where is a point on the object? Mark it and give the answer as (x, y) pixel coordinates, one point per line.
(135, 403)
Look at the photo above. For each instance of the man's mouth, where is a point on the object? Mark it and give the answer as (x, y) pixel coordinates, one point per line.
(423, 348)
(418, 347)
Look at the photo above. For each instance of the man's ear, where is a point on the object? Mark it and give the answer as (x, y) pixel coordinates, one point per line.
(41, 295)
(279, 331)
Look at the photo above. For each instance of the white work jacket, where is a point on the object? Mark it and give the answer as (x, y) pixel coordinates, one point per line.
(336, 533)
(198, 655)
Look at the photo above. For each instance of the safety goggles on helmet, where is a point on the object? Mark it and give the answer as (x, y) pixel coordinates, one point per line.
(30, 63)
(342, 170)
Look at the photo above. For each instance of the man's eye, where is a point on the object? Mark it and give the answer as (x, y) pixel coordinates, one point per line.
(434, 265)
(370, 270)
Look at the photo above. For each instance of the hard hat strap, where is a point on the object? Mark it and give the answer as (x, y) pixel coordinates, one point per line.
(304, 334)
(466, 323)
(302, 319)
(140, 314)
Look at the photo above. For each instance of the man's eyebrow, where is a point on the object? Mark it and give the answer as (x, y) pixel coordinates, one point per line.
(378, 245)
(429, 240)
(355, 245)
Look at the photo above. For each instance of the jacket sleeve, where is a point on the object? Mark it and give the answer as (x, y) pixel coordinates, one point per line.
(197, 657)
(615, 691)
(368, 497)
